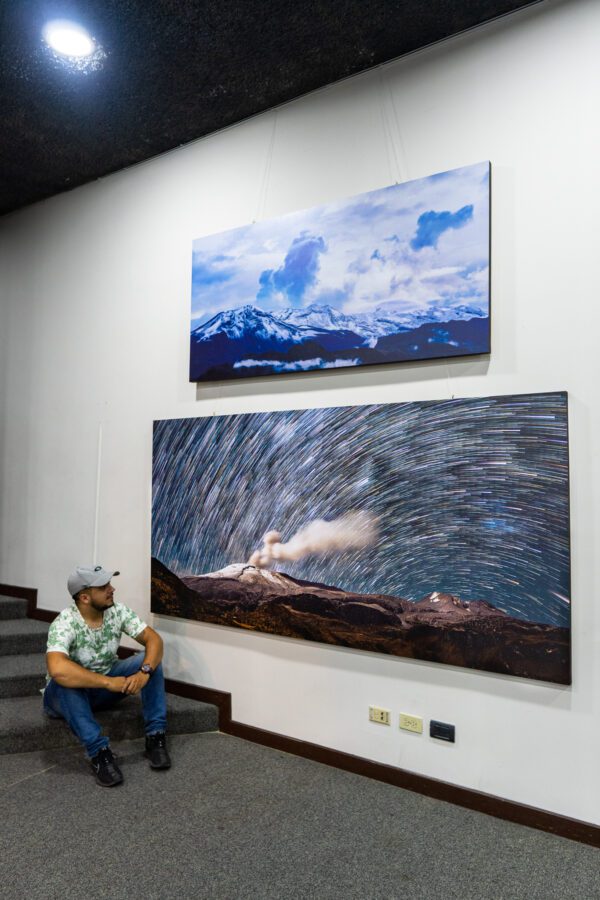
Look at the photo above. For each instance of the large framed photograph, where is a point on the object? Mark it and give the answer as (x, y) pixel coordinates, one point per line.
(397, 274)
(434, 530)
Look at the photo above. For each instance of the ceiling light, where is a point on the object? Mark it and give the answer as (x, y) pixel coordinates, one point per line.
(68, 39)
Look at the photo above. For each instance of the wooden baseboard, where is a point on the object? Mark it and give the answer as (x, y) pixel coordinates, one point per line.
(561, 826)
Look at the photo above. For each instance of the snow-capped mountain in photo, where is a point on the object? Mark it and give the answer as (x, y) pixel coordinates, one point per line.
(239, 323)
(249, 340)
(381, 321)
(252, 325)
(440, 627)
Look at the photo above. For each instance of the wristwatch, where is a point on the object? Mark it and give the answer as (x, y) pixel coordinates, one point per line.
(146, 669)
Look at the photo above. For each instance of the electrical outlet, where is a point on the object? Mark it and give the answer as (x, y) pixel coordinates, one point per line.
(382, 716)
(442, 731)
(411, 723)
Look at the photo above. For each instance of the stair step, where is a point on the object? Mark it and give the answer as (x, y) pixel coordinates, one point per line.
(22, 675)
(25, 727)
(22, 636)
(12, 607)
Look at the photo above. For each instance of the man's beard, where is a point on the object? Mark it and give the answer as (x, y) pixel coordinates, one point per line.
(100, 607)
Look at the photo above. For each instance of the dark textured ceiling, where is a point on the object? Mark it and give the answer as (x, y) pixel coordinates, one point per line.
(175, 70)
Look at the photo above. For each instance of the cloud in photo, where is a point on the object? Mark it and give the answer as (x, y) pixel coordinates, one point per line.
(431, 225)
(407, 246)
(298, 272)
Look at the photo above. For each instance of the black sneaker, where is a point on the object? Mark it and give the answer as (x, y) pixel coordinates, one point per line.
(105, 768)
(156, 751)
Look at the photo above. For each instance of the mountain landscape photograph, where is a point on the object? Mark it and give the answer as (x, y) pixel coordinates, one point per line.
(396, 274)
(431, 530)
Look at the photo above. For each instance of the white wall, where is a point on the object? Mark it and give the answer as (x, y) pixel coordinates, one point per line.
(94, 337)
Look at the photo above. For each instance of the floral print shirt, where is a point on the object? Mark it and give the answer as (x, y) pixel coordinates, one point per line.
(93, 648)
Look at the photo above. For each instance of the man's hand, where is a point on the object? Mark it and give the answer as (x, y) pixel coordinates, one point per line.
(117, 684)
(134, 683)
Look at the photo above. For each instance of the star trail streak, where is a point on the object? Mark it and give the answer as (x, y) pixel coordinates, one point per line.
(471, 496)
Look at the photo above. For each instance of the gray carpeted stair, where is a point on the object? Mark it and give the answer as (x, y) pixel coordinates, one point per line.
(22, 636)
(22, 675)
(12, 607)
(23, 725)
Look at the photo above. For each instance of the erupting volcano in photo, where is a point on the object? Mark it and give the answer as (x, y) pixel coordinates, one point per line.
(437, 530)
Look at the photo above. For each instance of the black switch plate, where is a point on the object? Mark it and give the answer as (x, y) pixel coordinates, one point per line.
(442, 731)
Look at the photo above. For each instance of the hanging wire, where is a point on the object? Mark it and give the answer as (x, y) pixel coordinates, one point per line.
(389, 143)
(392, 129)
(262, 196)
(396, 133)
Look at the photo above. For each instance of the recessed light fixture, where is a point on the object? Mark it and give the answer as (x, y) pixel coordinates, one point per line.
(68, 39)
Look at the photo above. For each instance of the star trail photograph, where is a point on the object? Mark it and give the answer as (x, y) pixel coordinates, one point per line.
(435, 530)
(399, 273)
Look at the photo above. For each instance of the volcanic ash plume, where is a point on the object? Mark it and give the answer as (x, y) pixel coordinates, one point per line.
(353, 531)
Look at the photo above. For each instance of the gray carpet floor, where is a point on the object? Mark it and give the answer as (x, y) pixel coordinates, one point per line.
(235, 820)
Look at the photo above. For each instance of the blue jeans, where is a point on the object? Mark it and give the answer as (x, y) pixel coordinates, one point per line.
(76, 705)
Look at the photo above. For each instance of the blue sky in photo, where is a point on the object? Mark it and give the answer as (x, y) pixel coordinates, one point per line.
(407, 247)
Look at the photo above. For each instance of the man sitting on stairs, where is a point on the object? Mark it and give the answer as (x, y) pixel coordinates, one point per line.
(85, 674)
